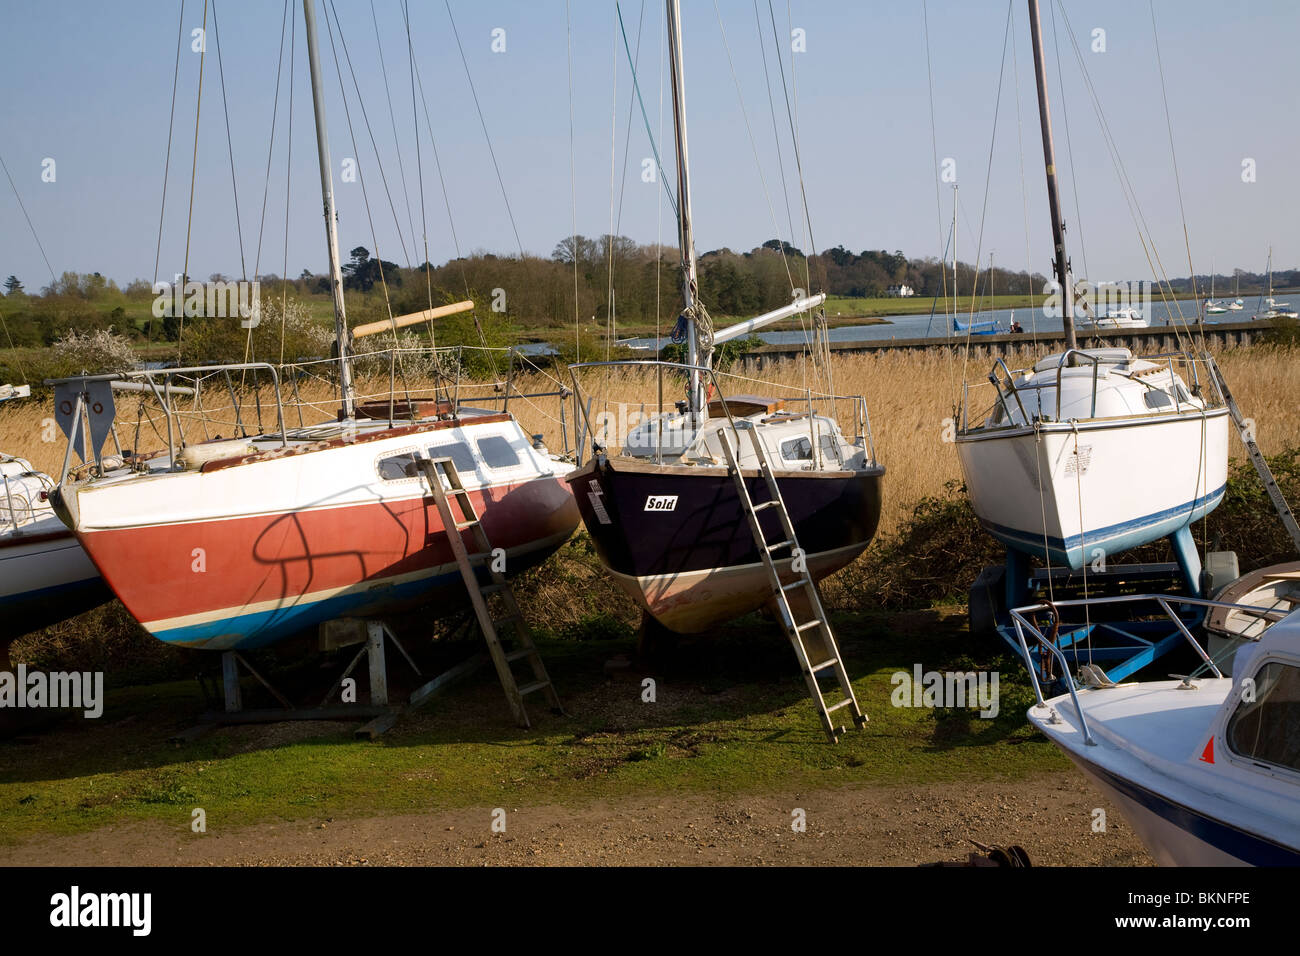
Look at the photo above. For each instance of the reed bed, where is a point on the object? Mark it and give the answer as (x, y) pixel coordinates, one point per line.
(911, 396)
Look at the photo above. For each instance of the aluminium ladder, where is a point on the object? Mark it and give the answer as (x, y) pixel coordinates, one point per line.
(819, 626)
(1256, 456)
(434, 470)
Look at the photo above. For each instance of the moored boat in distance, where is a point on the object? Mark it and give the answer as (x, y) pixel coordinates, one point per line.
(1269, 307)
(1122, 318)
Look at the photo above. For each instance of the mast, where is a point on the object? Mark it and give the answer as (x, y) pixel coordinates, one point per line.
(1061, 265)
(331, 216)
(690, 279)
(955, 307)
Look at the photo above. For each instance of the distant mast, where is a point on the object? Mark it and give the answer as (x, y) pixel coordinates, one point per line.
(1061, 264)
(331, 216)
(690, 280)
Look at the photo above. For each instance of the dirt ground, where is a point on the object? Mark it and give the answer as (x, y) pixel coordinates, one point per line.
(1050, 815)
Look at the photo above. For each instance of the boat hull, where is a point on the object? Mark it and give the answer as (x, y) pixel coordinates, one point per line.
(1034, 493)
(697, 565)
(45, 577)
(317, 536)
(1177, 835)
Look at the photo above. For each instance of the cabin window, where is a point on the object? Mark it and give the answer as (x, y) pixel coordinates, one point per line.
(496, 451)
(459, 454)
(830, 450)
(397, 467)
(1158, 398)
(796, 449)
(1267, 729)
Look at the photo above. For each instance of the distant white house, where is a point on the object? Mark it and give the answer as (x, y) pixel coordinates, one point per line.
(900, 291)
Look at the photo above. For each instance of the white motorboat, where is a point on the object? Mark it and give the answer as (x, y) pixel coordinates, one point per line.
(1205, 770)
(1121, 318)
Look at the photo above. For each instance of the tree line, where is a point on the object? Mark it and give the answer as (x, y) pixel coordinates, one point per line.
(588, 279)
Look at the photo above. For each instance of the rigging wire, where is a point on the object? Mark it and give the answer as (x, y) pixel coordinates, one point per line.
(419, 169)
(762, 178)
(230, 143)
(1069, 145)
(288, 190)
(396, 363)
(794, 142)
(821, 364)
(776, 136)
(627, 135)
(1178, 184)
(437, 161)
(483, 122)
(198, 103)
(611, 323)
(365, 117)
(392, 118)
(573, 190)
(171, 120)
(938, 200)
(1127, 190)
(21, 206)
(979, 246)
(275, 106)
(636, 88)
(1024, 194)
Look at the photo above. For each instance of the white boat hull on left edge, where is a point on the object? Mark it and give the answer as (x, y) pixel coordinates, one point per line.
(1207, 771)
(45, 576)
(1133, 472)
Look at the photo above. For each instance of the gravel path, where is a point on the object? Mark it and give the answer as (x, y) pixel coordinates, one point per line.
(1050, 815)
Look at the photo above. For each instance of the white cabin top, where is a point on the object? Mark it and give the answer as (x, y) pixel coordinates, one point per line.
(1107, 383)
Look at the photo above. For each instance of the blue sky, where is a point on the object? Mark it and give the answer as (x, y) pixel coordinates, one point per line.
(89, 85)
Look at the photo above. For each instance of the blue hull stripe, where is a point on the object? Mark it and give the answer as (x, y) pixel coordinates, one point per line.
(1247, 847)
(261, 628)
(1115, 538)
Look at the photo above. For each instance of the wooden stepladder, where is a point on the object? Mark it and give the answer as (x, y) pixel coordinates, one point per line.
(1256, 456)
(818, 627)
(460, 518)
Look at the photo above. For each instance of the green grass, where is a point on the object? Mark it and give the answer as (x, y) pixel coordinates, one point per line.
(732, 716)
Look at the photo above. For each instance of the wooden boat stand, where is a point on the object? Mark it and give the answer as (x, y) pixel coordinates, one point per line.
(382, 711)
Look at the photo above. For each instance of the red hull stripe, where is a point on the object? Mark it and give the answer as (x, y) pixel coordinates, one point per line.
(179, 571)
